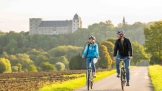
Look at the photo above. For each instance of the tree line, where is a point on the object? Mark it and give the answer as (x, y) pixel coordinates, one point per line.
(35, 52)
(55, 59)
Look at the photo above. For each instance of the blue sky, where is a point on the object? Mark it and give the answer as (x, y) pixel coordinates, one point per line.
(15, 14)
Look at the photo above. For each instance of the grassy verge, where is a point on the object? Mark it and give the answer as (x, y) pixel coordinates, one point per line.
(76, 83)
(155, 73)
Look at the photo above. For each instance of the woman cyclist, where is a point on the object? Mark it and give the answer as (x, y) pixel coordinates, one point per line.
(91, 52)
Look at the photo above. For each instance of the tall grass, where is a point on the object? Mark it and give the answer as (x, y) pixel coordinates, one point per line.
(155, 73)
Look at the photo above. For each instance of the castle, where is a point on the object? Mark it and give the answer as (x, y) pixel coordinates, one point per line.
(38, 26)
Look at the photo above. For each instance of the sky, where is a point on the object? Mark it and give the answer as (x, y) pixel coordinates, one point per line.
(15, 14)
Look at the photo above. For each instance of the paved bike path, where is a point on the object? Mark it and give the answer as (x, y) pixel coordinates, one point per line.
(139, 81)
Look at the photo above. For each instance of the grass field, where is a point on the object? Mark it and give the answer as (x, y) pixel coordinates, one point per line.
(73, 84)
(155, 73)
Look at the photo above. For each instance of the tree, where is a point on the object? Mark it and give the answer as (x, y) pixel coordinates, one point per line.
(46, 66)
(60, 66)
(32, 68)
(13, 60)
(5, 65)
(24, 60)
(33, 54)
(19, 67)
(58, 51)
(77, 63)
(105, 61)
(153, 42)
(139, 53)
(110, 47)
(5, 55)
(11, 46)
(41, 58)
(64, 60)
(14, 69)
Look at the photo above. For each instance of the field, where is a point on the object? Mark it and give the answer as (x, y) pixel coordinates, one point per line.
(155, 73)
(35, 81)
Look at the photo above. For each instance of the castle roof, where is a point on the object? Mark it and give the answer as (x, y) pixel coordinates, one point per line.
(54, 23)
(76, 16)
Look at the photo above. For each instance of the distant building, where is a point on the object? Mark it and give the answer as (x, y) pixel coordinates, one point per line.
(124, 21)
(38, 26)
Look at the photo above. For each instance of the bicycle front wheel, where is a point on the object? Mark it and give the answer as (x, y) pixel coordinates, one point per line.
(122, 80)
(91, 79)
(88, 80)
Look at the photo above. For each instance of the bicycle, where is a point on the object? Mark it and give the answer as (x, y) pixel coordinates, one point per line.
(123, 73)
(90, 77)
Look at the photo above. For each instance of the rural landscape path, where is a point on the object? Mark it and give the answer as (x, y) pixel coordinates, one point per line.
(139, 81)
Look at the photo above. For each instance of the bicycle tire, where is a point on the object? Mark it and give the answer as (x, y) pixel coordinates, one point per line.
(88, 80)
(91, 79)
(92, 85)
(122, 82)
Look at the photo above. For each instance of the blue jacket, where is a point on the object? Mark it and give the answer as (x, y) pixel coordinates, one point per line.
(92, 52)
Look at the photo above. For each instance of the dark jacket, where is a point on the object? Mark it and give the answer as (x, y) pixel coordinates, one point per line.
(127, 51)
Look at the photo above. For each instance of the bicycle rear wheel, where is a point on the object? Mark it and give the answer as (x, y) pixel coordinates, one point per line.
(91, 84)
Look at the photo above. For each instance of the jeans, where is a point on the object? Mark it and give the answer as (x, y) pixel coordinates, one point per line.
(88, 61)
(127, 64)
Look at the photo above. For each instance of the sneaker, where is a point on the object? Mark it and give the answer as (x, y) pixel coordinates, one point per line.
(94, 75)
(127, 84)
(118, 75)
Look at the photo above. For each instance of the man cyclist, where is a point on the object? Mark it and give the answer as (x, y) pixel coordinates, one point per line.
(124, 48)
(91, 52)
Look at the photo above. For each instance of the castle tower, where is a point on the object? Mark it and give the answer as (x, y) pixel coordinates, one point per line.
(123, 21)
(33, 25)
(76, 23)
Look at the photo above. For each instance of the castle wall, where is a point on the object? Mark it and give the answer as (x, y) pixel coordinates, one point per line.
(35, 28)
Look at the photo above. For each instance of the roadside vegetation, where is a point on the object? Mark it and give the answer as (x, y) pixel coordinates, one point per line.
(155, 73)
(76, 83)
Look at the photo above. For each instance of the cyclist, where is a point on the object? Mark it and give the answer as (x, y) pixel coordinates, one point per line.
(91, 52)
(124, 48)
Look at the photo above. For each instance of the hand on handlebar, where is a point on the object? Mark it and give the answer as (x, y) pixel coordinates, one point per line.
(98, 57)
(114, 58)
(130, 57)
(83, 57)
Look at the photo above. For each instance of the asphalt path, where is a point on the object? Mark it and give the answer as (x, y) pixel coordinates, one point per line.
(139, 81)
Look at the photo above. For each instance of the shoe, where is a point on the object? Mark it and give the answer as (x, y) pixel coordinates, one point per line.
(94, 75)
(118, 75)
(127, 84)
